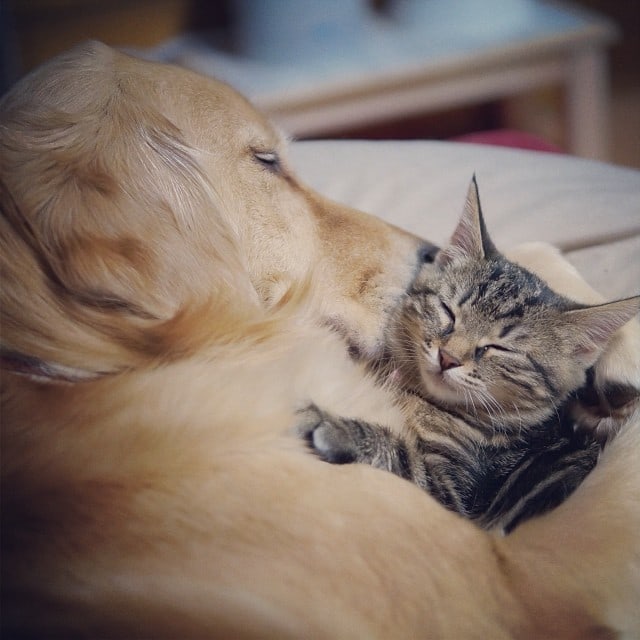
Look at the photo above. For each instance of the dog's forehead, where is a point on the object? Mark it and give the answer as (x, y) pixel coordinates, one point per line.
(205, 108)
(92, 79)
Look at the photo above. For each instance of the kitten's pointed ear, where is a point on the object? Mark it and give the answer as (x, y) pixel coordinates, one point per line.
(470, 238)
(593, 327)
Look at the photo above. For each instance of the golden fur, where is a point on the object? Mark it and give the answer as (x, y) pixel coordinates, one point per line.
(168, 303)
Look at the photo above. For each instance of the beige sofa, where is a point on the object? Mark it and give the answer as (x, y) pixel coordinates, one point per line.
(589, 209)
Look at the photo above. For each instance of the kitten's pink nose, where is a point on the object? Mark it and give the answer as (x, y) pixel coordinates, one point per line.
(447, 361)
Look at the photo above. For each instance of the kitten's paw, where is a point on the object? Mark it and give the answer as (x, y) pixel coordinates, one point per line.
(330, 438)
(604, 411)
(612, 395)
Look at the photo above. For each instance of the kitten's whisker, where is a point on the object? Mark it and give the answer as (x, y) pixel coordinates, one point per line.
(489, 405)
(468, 396)
(518, 427)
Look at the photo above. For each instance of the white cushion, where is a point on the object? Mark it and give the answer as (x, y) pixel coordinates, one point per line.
(589, 209)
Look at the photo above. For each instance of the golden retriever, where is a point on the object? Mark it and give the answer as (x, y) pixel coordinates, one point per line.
(171, 296)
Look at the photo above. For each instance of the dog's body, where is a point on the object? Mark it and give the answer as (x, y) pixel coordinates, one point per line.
(171, 295)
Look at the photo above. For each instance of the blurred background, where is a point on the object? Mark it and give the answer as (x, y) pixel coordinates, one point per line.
(379, 69)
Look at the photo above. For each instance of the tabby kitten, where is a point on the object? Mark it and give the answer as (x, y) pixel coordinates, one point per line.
(484, 354)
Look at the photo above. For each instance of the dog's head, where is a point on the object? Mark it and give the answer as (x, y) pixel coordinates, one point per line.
(143, 205)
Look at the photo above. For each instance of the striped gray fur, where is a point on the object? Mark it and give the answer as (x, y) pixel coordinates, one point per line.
(484, 357)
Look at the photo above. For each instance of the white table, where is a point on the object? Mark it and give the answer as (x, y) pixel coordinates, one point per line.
(434, 60)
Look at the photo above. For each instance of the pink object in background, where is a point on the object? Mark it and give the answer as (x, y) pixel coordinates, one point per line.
(510, 138)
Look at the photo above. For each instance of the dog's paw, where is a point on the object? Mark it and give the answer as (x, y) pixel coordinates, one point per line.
(329, 437)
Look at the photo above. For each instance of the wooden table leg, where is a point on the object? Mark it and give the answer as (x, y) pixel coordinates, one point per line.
(588, 108)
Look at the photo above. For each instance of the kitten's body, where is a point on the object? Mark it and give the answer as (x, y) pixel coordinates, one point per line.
(484, 355)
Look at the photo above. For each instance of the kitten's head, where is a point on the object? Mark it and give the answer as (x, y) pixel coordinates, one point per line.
(487, 338)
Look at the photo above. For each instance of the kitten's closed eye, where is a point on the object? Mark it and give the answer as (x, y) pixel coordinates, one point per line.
(448, 330)
(480, 351)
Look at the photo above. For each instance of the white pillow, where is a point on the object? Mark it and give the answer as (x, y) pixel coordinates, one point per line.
(587, 208)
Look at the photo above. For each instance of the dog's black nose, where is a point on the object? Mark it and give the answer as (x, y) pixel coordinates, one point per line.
(427, 252)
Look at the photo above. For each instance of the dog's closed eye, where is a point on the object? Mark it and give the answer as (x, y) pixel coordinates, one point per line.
(269, 160)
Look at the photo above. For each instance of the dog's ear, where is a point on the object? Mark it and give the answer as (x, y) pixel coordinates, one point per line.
(111, 235)
(87, 310)
(44, 333)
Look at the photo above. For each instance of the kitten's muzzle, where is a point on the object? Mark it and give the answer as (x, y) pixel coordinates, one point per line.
(447, 361)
